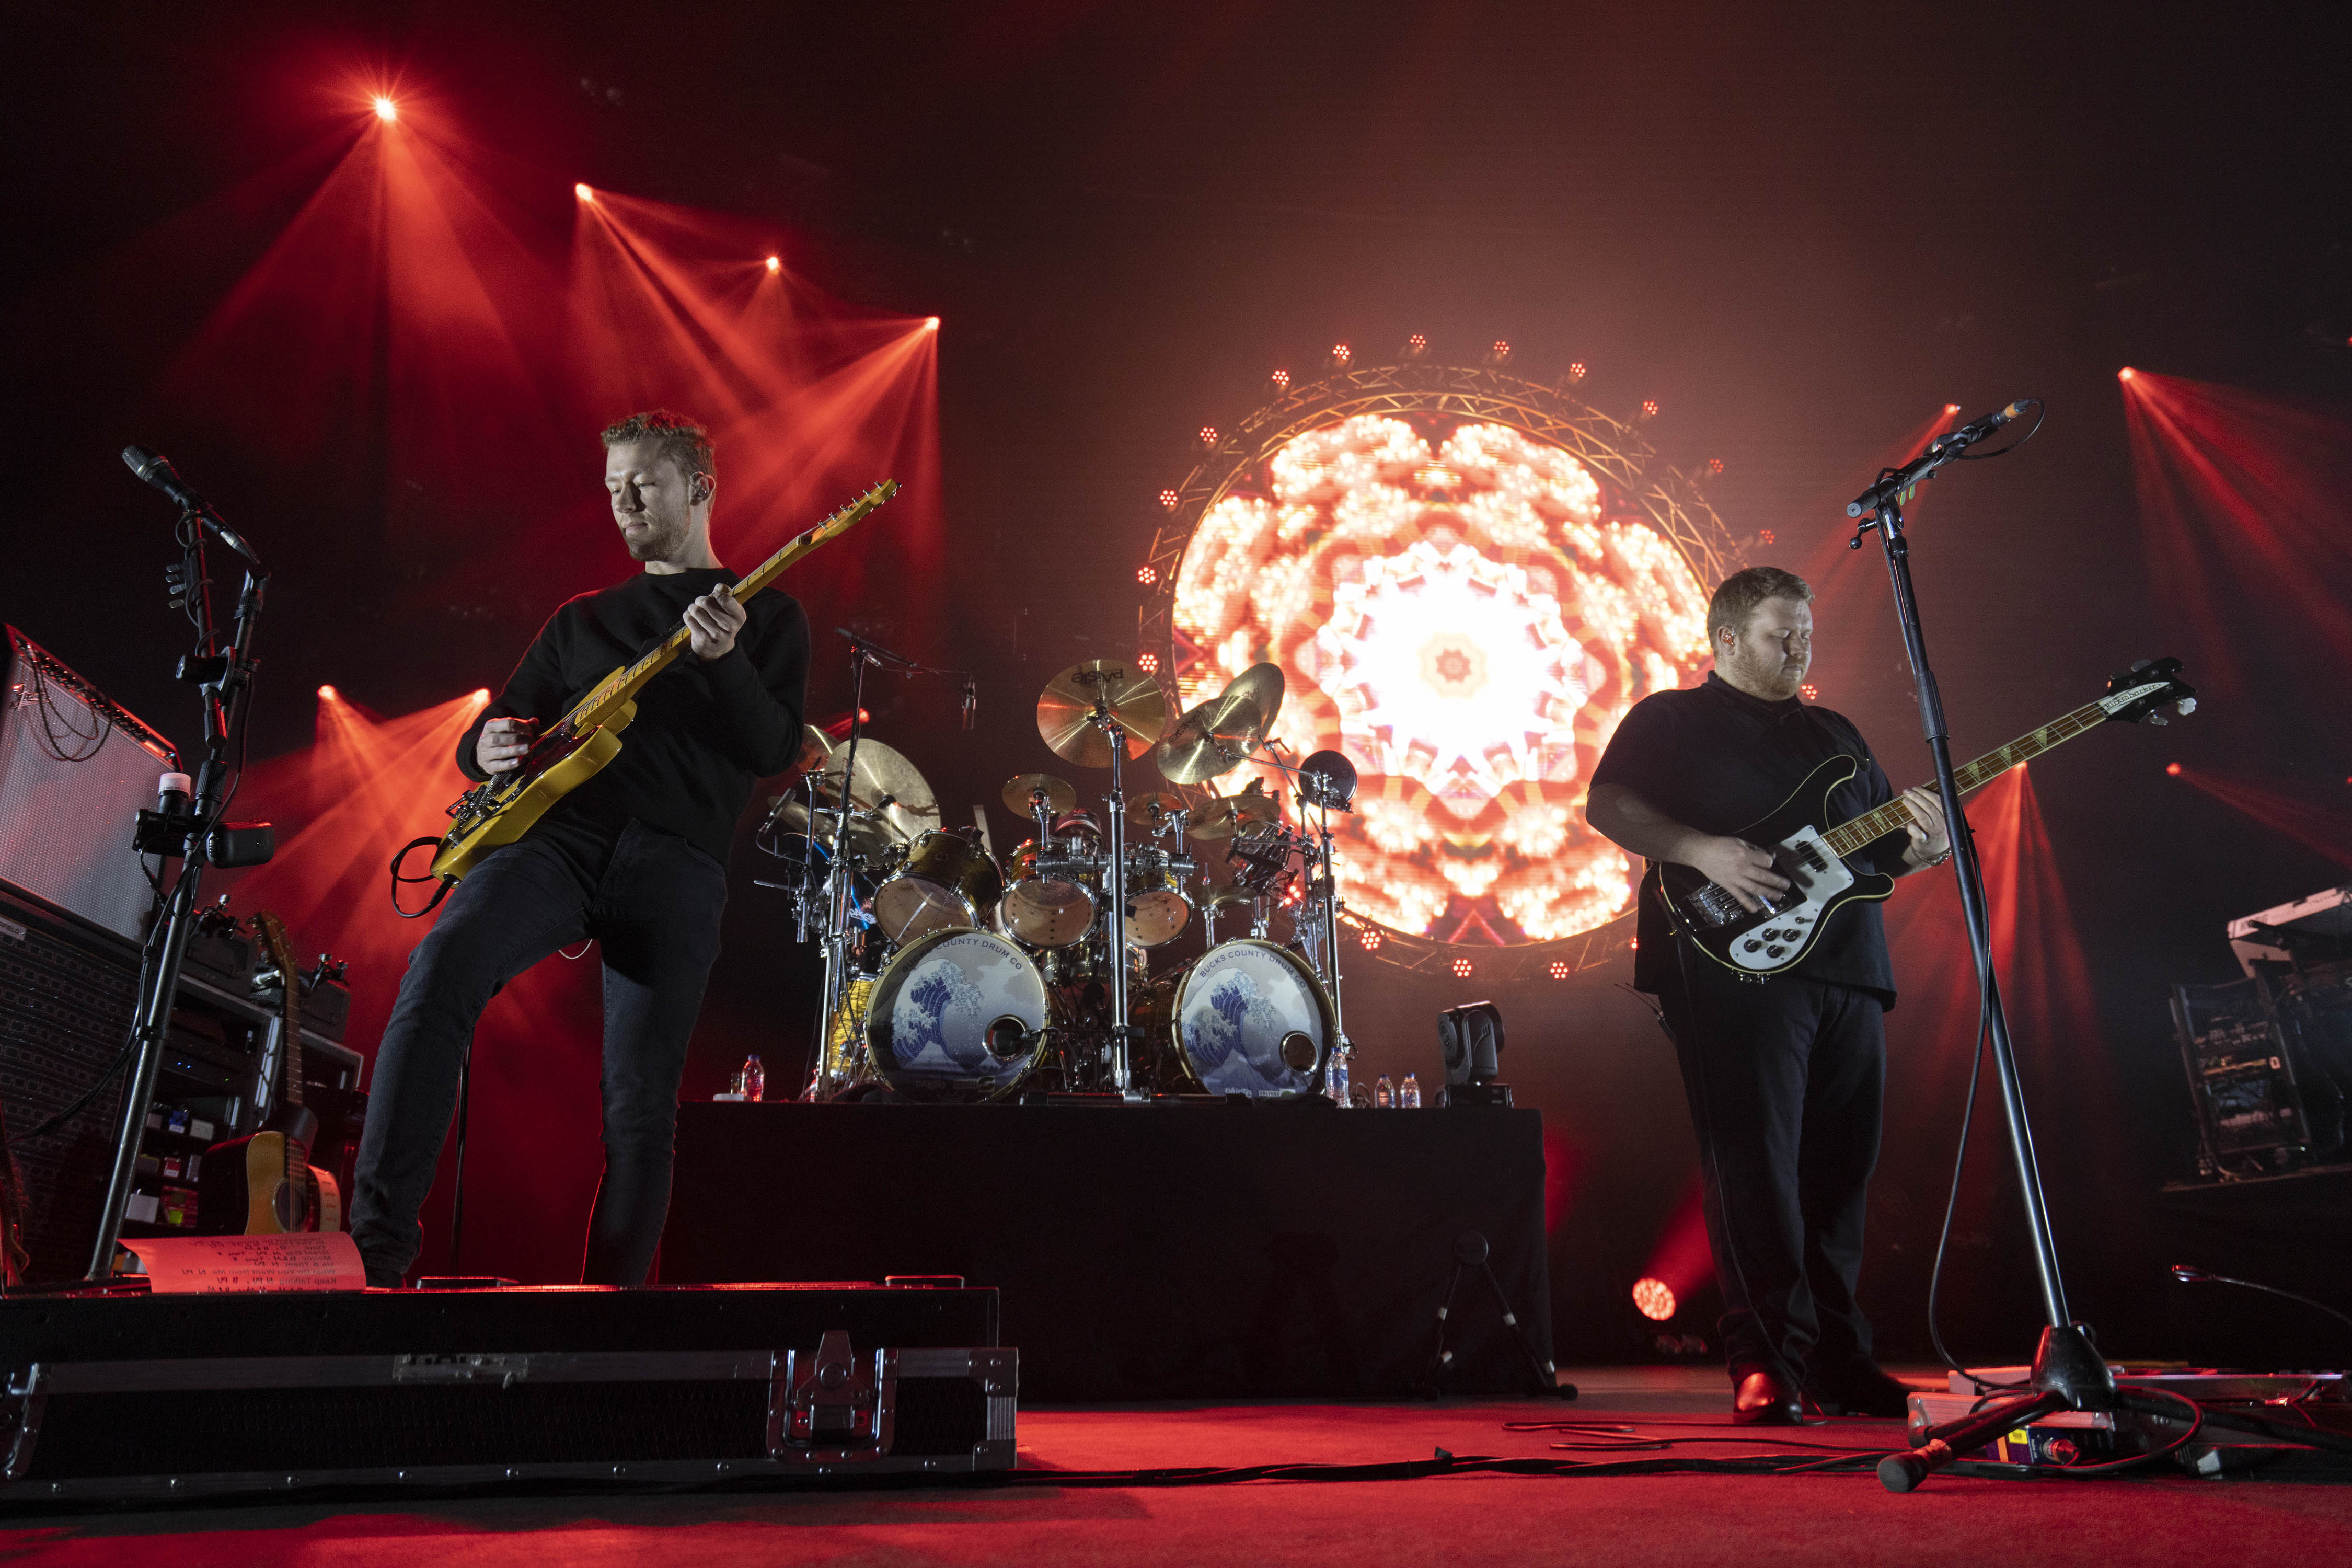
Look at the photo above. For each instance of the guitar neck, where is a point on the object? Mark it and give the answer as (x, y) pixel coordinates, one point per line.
(623, 685)
(1848, 837)
(281, 954)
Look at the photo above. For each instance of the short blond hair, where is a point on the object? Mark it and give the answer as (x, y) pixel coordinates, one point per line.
(683, 441)
(1735, 602)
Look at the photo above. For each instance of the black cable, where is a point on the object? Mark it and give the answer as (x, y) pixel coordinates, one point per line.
(2040, 413)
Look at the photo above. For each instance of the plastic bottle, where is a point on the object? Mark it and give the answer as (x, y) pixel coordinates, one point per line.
(755, 1077)
(1335, 1078)
(1383, 1093)
(1409, 1093)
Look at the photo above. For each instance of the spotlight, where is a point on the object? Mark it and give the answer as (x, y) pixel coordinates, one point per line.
(1809, 691)
(2171, 768)
(1148, 662)
(1500, 353)
(1576, 372)
(1470, 1040)
(2123, 374)
(1208, 435)
(1649, 408)
(1369, 940)
(583, 192)
(1715, 464)
(1281, 380)
(1341, 356)
(1168, 499)
(1559, 969)
(1147, 575)
(386, 109)
(776, 264)
(1654, 1299)
(1462, 967)
(931, 323)
(327, 694)
(1766, 536)
(481, 694)
(1416, 346)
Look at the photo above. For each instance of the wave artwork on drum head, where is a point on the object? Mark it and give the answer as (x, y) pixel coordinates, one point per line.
(934, 1004)
(1238, 1003)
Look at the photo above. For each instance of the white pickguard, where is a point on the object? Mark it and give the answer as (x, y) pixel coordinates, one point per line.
(1820, 877)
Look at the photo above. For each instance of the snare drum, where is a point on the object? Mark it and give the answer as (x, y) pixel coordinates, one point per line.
(1049, 911)
(958, 1015)
(1155, 897)
(1245, 1018)
(948, 880)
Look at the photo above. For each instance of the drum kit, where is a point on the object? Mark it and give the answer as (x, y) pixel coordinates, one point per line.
(952, 977)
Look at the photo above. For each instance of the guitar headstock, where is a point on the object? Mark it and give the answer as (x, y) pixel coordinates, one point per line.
(274, 941)
(2136, 693)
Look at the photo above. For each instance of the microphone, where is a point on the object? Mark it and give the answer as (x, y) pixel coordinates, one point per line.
(172, 793)
(971, 699)
(1969, 434)
(157, 470)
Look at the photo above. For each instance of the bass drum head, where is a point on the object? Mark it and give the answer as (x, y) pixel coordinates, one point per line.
(941, 1005)
(1251, 1018)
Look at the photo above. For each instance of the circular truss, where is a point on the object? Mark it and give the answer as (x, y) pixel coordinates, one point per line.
(1465, 578)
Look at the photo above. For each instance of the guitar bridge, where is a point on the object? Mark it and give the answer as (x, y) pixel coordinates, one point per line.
(1716, 906)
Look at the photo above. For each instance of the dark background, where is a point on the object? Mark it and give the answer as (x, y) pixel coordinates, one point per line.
(1803, 229)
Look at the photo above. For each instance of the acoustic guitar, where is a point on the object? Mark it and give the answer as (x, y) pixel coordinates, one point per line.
(264, 1185)
(577, 747)
(1812, 855)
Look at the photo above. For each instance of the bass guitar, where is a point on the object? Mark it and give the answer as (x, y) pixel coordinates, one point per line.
(1813, 857)
(264, 1185)
(577, 747)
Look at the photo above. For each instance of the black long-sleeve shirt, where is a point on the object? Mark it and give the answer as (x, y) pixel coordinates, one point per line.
(1715, 759)
(705, 734)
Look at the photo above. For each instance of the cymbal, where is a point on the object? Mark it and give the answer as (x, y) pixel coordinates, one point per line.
(885, 782)
(1066, 711)
(1059, 796)
(1217, 736)
(815, 750)
(869, 835)
(1157, 807)
(1224, 817)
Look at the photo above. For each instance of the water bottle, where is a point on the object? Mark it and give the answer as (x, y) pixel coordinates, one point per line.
(1335, 1078)
(1409, 1093)
(1383, 1093)
(755, 1077)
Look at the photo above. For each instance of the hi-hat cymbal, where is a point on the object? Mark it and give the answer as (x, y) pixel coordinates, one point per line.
(1066, 709)
(1018, 789)
(1156, 808)
(869, 835)
(885, 782)
(1223, 819)
(1217, 736)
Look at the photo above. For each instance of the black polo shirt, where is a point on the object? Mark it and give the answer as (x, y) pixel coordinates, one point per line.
(1715, 759)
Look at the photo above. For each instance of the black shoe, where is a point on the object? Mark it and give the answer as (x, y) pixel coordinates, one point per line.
(1763, 1400)
(1866, 1391)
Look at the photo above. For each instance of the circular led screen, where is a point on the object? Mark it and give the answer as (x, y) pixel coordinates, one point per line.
(1466, 611)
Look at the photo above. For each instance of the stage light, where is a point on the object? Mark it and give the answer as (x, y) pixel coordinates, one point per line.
(931, 323)
(1369, 940)
(1341, 356)
(1461, 969)
(583, 192)
(1654, 1299)
(1148, 662)
(2125, 373)
(776, 264)
(1809, 691)
(1147, 575)
(1766, 536)
(327, 694)
(1500, 353)
(1715, 464)
(1281, 380)
(2171, 768)
(1951, 408)
(1208, 435)
(1576, 372)
(1168, 499)
(1560, 970)
(1649, 408)
(1416, 342)
(386, 110)
(481, 694)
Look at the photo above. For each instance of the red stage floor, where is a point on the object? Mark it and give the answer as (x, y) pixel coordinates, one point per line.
(1454, 1520)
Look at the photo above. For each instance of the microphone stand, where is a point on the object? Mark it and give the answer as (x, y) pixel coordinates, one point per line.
(223, 675)
(2068, 1373)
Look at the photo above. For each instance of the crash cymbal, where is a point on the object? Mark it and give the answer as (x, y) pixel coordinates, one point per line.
(815, 750)
(870, 837)
(885, 782)
(1066, 711)
(1224, 817)
(1217, 736)
(1059, 796)
(1155, 807)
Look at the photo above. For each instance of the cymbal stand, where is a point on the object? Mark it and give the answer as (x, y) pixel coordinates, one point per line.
(1323, 882)
(840, 879)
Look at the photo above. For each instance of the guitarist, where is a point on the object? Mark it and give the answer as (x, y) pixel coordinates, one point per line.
(634, 858)
(1784, 1076)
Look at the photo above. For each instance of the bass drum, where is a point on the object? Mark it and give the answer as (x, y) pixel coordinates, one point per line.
(959, 1015)
(1244, 1018)
(947, 881)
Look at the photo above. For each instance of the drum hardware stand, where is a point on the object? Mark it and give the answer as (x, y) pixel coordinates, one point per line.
(2068, 1373)
(1471, 1252)
(189, 827)
(1115, 888)
(1326, 789)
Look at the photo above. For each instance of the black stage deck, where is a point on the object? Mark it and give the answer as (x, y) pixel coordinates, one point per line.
(1222, 1250)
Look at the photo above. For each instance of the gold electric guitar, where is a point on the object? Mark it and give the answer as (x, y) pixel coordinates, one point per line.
(577, 747)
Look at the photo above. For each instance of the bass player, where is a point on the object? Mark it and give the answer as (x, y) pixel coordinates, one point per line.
(1784, 1076)
(634, 858)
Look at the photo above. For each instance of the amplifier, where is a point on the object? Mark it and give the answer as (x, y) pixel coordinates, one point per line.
(2242, 1075)
(75, 771)
(619, 1388)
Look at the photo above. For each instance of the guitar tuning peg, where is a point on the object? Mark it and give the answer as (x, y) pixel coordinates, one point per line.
(2158, 719)
(2185, 707)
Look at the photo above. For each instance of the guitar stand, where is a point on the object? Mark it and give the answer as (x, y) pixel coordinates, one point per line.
(1470, 1251)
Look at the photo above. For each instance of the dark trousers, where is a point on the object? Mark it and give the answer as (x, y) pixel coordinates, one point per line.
(1784, 1082)
(652, 901)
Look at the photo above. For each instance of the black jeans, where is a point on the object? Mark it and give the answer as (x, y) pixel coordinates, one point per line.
(652, 901)
(1784, 1082)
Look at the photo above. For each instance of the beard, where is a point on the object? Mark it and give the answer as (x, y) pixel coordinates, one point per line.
(657, 541)
(1768, 673)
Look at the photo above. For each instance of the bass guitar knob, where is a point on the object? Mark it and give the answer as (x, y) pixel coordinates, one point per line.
(1775, 950)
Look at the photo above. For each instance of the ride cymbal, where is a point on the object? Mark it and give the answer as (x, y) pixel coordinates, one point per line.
(1157, 807)
(1065, 712)
(885, 782)
(1059, 795)
(1220, 734)
(1224, 817)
